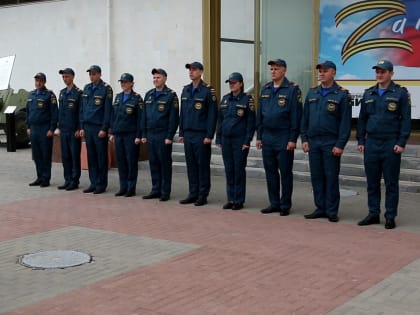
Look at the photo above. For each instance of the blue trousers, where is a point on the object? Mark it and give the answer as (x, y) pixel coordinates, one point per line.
(277, 159)
(380, 159)
(234, 159)
(97, 153)
(197, 156)
(41, 151)
(160, 162)
(325, 171)
(70, 156)
(127, 159)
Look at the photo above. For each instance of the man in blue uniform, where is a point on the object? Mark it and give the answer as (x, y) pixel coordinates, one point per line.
(125, 128)
(94, 123)
(383, 129)
(159, 124)
(278, 120)
(325, 130)
(197, 125)
(235, 130)
(41, 121)
(68, 122)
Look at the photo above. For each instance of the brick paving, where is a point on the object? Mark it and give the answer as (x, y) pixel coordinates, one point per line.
(242, 263)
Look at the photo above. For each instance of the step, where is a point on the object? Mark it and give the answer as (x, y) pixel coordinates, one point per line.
(345, 180)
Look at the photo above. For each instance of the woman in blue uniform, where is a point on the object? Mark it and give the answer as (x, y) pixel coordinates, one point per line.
(235, 130)
(125, 127)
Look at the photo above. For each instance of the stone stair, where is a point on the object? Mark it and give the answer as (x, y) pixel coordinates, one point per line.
(352, 170)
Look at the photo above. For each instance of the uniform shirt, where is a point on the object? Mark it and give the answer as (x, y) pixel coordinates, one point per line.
(279, 111)
(96, 105)
(161, 112)
(328, 115)
(126, 114)
(385, 117)
(236, 117)
(41, 108)
(198, 110)
(69, 109)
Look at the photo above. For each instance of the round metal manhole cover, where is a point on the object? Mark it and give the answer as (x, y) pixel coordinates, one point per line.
(54, 259)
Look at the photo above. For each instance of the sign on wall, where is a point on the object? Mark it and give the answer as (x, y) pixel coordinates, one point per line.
(356, 34)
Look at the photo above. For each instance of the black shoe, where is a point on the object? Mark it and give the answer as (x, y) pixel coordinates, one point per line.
(35, 183)
(333, 218)
(237, 206)
(284, 212)
(64, 186)
(188, 200)
(315, 215)
(130, 194)
(390, 224)
(164, 198)
(44, 184)
(370, 219)
(88, 190)
(269, 209)
(227, 205)
(152, 195)
(120, 193)
(200, 202)
(99, 191)
(72, 187)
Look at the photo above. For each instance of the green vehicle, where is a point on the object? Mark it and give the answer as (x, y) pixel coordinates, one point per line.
(9, 98)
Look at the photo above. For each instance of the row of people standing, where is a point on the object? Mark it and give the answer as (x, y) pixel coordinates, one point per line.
(383, 129)
(324, 123)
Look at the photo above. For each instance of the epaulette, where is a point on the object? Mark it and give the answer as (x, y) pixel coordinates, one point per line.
(266, 85)
(342, 89)
(136, 94)
(226, 95)
(51, 91)
(293, 83)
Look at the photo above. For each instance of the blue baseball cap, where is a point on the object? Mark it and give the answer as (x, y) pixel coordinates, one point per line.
(194, 64)
(126, 77)
(66, 71)
(94, 68)
(40, 75)
(159, 71)
(326, 65)
(384, 65)
(234, 76)
(278, 62)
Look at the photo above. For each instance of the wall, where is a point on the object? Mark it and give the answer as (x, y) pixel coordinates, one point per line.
(121, 36)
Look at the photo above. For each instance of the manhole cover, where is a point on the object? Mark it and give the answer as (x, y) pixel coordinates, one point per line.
(54, 259)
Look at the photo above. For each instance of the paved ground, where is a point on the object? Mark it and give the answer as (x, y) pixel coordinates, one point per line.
(160, 258)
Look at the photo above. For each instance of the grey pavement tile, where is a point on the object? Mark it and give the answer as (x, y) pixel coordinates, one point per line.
(113, 254)
(399, 294)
